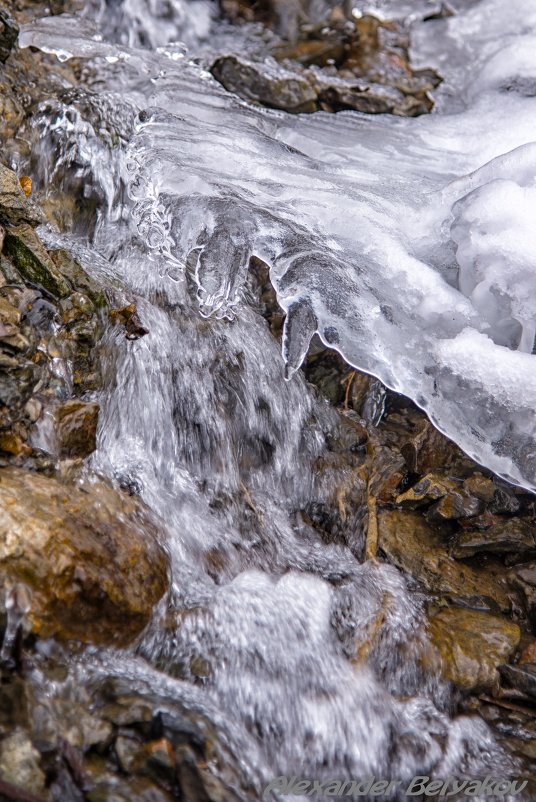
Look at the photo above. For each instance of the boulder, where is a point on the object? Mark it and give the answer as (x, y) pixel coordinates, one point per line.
(472, 645)
(89, 555)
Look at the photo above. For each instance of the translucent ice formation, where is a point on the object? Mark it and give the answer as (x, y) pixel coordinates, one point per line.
(406, 244)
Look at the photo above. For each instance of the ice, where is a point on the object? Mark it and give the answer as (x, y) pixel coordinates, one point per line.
(390, 238)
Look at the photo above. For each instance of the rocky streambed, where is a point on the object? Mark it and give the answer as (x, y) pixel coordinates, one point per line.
(87, 576)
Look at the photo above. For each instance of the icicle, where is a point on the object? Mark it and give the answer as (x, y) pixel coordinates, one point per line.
(300, 325)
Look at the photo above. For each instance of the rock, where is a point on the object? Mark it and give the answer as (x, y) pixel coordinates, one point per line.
(73, 272)
(283, 16)
(158, 761)
(128, 317)
(452, 500)
(523, 577)
(15, 208)
(277, 89)
(480, 487)
(472, 645)
(9, 31)
(90, 557)
(11, 443)
(513, 535)
(127, 751)
(361, 64)
(528, 655)
(337, 94)
(20, 763)
(32, 261)
(77, 428)
(111, 787)
(424, 448)
(26, 185)
(521, 677)
(9, 314)
(455, 505)
(419, 548)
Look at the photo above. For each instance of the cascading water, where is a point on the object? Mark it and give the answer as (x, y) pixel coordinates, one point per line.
(406, 244)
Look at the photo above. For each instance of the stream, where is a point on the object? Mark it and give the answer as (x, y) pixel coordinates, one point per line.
(405, 244)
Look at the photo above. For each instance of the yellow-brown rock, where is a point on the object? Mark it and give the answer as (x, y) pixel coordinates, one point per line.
(421, 549)
(89, 555)
(472, 644)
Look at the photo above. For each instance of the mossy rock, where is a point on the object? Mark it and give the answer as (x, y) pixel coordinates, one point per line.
(28, 254)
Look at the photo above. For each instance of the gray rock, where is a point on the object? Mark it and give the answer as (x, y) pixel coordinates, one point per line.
(9, 31)
(20, 763)
(276, 88)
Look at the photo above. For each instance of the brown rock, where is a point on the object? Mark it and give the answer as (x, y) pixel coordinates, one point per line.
(419, 548)
(90, 557)
(77, 428)
(452, 499)
(15, 207)
(528, 655)
(128, 317)
(513, 535)
(472, 645)
(480, 486)
(425, 449)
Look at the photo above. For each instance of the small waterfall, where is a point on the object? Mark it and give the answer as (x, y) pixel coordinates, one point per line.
(381, 238)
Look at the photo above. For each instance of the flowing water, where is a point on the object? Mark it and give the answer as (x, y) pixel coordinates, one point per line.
(407, 245)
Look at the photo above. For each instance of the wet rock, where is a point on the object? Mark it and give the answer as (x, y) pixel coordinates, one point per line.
(107, 786)
(523, 577)
(32, 261)
(76, 276)
(472, 645)
(128, 317)
(521, 677)
(20, 763)
(424, 448)
(89, 555)
(387, 469)
(9, 31)
(360, 64)
(15, 208)
(514, 535)
(452, 500)
(283, 16)
(77, 428)
(480, 486)
(158, 761)
(420, 548)
(338, 94)
(277, 89)
(528, 655)
(127, 750)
